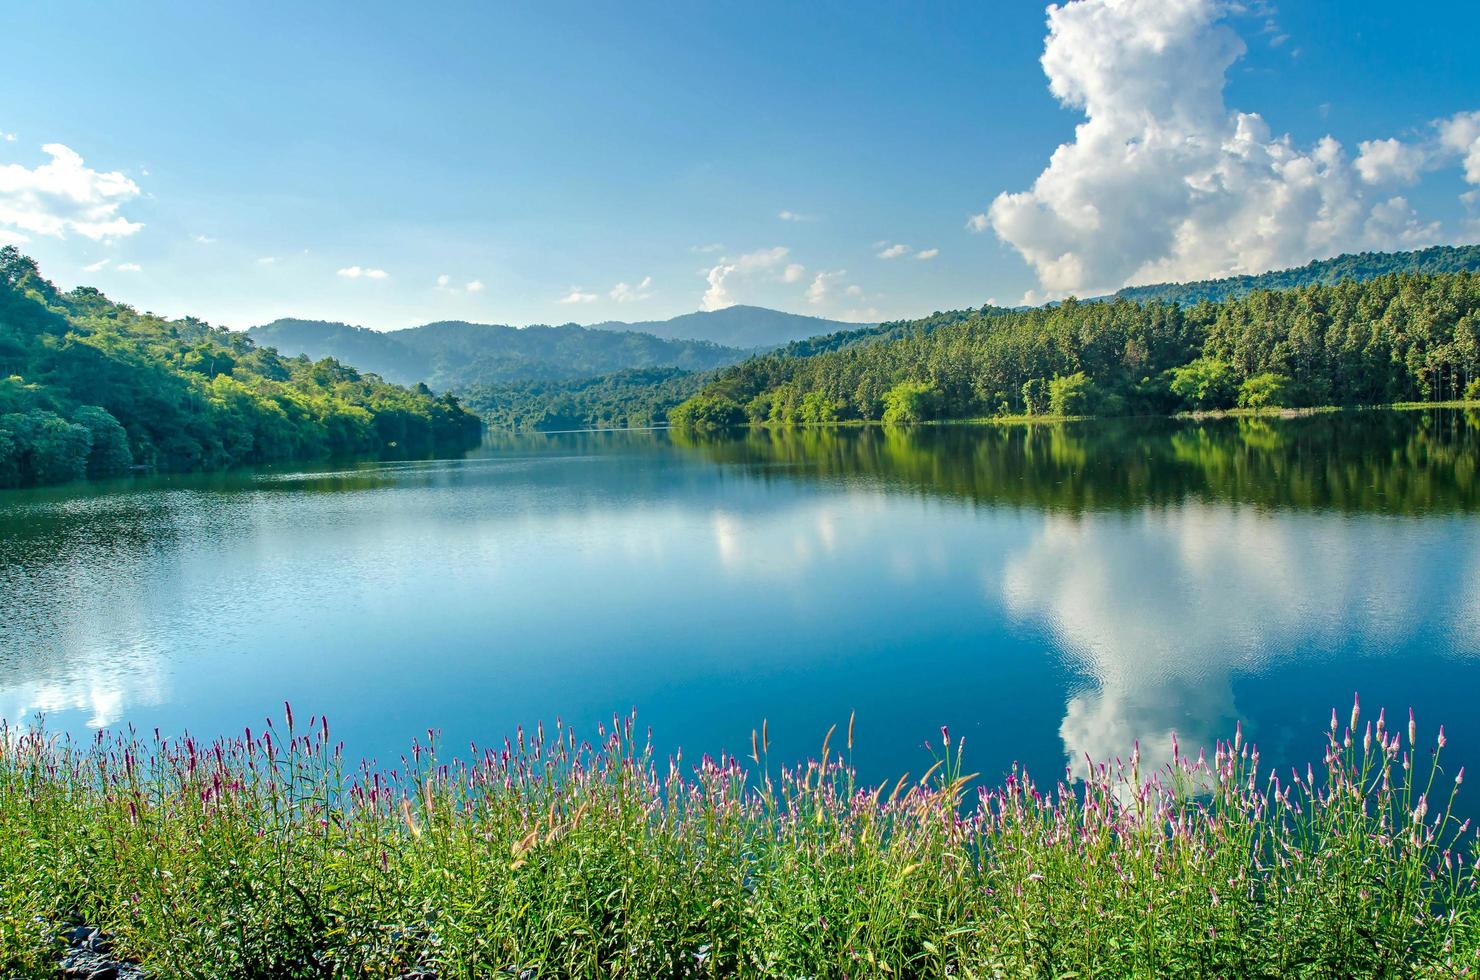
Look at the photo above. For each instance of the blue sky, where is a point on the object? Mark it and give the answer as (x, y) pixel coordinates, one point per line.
(636, 161)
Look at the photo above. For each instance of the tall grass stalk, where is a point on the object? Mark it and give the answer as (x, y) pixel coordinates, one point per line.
(265, 855)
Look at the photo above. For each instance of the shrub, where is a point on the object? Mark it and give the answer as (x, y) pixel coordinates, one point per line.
(1073, 394)
(1204, 383)
(1267, 390)
(1472, 393)
(910, 402)
(706, 412)
(1035, 396)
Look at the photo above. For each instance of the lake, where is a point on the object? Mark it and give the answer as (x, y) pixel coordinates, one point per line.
(1046, 591)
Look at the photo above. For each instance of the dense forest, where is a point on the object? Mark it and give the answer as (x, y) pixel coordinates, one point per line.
(1323, 272)
(454, 355)
(1403, 337)
(634, 399)
(90, 387)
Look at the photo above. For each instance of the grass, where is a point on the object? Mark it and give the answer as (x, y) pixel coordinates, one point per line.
(262, 856)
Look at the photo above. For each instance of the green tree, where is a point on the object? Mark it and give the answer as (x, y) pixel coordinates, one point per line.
(1072, 394)
(707, 412)
(910, 402)
(1267, 390)
(1204, 383)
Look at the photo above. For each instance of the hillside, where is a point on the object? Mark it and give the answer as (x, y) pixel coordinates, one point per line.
(453, 355)
(1404, 337)
(90, 387)
(747, 327)
(1359, 267)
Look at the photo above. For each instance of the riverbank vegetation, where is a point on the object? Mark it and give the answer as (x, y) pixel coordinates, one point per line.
(548, 857)
(1395, 338)
(90, 387)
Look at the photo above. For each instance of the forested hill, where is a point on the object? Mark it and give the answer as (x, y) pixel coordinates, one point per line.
(1359, 267)
(1393, 338)
(748, 327)
(90, 387)
(454, 355)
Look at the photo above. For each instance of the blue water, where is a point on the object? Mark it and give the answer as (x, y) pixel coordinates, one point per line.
(1047, 593)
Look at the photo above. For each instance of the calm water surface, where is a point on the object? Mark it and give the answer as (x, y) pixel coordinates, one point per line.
(1047, 592)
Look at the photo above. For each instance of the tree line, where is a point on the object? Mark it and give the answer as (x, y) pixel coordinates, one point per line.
(91, 388)
(1395, 338)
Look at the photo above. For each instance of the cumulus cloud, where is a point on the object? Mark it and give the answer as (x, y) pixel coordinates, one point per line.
(65, 196)
(357, 272)
(577, 295)
(822, 286)
(7, 137)
(1388, 161)
(444, 280)
(978, 222)
(927, 253)
(793, 272)
(1162, 180)
(794, 216)
(894, 251)
(1460, 134)
(474, 286)
(127, 267)
(625, 293)
(723, 276)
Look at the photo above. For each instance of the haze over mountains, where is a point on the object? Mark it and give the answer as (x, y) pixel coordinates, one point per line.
(452, 355)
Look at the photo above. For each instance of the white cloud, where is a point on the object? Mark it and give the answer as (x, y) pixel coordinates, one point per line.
(267, 260)
(356, 272)
(722, 275)
(127, 267)
(822, 285)
(706, 249)
(894, 251)
(444, 280)
(474, 286)
(794, 216)
(7, 137)
(204, 239)
(978, 222)
(624, 293)
(793, 272)
(576, 295)
(1393, 220)
(927, 253)
(96, 266)
(65, 196)
(1460, 134)
(1163, 181)
(1389, 161)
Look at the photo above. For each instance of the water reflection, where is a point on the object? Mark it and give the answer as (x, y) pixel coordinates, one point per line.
(1161, 610)
(1052, 590)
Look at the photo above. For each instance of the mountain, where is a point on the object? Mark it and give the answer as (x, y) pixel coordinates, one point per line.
(452, 355)
(747, 327)
(1358, 267)
(90, 387)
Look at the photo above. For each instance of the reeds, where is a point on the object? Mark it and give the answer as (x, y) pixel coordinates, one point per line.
(265, 856)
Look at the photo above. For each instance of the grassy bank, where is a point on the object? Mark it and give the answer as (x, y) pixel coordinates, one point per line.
(545, 857)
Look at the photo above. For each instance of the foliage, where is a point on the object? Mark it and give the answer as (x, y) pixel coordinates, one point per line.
(1207, 382)
(707, 412)
(92, 387)
(1323, 272)
(1267, 390)
(1472, 392)
(1072, 395)
(637, 398)
(1395, 338)
(909, 403)
(262, 856)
